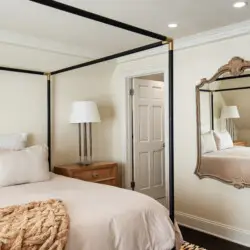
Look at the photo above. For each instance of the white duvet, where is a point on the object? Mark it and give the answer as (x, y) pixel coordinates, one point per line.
(101, 217)
(231, 165)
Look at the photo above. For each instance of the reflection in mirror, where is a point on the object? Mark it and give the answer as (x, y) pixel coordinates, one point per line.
(223, 122)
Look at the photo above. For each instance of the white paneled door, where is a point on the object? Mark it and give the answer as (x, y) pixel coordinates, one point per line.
(148, 135)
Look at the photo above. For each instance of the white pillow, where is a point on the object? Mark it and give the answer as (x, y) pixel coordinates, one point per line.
(13, 141)
(24, 166)
(223, 140)
(208, 143)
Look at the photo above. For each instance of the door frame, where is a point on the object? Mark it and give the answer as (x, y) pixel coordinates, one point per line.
(128, 112)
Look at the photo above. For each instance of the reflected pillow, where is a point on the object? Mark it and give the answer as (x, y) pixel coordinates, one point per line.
(208, 143)
(223, 140)
(24, 166)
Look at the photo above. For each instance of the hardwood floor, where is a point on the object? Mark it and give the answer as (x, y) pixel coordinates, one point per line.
(209, 242)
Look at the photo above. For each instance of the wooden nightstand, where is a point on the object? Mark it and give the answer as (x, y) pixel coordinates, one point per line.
(99, 172)
(240, 143)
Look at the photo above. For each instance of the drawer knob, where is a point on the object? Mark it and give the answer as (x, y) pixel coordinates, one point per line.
(95, 174)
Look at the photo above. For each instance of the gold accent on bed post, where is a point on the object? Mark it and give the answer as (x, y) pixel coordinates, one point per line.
(171, 44)
(48, 74)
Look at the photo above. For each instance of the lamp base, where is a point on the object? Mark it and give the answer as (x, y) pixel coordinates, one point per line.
(86, 160)
(84, 164)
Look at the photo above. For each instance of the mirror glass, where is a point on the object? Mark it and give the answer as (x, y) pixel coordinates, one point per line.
(223, 121)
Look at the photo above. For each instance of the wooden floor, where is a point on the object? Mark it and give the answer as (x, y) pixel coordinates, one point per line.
(209, 242)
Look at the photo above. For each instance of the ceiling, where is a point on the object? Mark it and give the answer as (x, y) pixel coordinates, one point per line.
(193, 16)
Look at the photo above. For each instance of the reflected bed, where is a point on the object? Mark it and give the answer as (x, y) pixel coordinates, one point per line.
(231, 165)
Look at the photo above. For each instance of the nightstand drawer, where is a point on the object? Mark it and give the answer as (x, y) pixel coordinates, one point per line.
(99, 172)
(108, 182)
(95, 175)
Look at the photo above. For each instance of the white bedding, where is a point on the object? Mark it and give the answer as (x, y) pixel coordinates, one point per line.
(101, 217)
(231, 165)
(238, 152)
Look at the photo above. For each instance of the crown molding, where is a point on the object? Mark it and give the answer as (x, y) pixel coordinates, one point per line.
(215, 35)
(31, 42)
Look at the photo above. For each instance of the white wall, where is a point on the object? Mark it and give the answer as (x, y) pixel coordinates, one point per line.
(205, 204)
(240, 98)
(205, 112)
(244, 135)
(23, 105)
(92, 83)
(219, 103)
(23, 101)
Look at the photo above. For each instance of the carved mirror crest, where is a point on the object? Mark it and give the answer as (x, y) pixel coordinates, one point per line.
(223, 124)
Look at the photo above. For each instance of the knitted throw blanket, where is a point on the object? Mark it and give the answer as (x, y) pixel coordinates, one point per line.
(34, 226)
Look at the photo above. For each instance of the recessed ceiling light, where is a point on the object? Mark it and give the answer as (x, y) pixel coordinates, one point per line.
(240, 4)
(173, 25)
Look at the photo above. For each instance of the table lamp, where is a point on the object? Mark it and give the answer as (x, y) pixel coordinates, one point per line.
(229, 113)
(84, 113)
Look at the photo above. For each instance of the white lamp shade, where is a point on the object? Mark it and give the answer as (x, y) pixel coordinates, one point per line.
(84, 112)
(230, 112)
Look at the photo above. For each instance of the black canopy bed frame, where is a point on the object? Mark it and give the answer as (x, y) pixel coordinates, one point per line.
(162, 40)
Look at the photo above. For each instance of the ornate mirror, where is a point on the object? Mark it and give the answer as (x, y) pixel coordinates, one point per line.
(223, 125)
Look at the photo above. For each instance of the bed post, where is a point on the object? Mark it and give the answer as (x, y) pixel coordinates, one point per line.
(49, 117)
(171, 130)
(212, 109)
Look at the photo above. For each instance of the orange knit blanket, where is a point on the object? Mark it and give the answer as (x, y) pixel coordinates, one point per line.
(34, 226)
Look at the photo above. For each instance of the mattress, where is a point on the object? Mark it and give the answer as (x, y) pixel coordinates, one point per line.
(101, 217)
(231, 165)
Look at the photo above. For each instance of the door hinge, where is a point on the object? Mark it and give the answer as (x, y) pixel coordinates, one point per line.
(131, 92)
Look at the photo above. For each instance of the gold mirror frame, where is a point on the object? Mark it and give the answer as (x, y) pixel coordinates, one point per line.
(235, 67)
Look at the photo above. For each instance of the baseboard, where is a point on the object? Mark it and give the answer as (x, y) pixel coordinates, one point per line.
(214, 228)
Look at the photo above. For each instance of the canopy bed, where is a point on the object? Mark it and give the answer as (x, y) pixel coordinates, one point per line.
(67, 186)
(222, 105)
